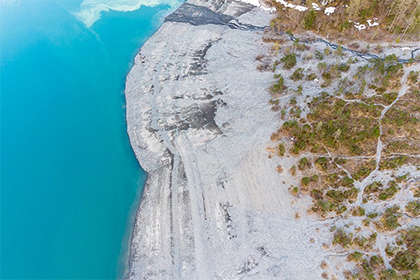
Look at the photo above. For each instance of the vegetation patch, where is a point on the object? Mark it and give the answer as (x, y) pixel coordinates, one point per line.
(353, 19)
(353, 127)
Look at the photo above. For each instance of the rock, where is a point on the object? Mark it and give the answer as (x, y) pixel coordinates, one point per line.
(199, 122)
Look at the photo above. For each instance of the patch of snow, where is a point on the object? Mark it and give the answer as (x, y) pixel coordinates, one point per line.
(258, 4)
(358, 26)
(372, 22)
(293, 6)
(329, 10)
(316, 7)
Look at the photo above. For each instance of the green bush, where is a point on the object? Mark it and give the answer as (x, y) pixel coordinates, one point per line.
(355, 257)
(304, 163)
(309, 20)
(319, 55)
(289, 61)
(393, 163)
(404, 261)
(297, 75)
(376, 261)
(322, 162)
(311, 77)
(413, 207)
(390, 218)
(342, 238)
(281, 149)
(358, 211)
(306, 180)
(412, 76)
(388, 192)
(279, 86)
(343, 67)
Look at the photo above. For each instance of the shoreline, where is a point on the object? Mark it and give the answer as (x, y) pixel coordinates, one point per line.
(212, 205)
(187, 218)
(127, 263)
(132, 223)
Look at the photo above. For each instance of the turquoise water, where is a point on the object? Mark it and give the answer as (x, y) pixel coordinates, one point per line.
(69, 179)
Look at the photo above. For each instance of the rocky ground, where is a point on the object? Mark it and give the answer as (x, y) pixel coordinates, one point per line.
(213, 207)
(199, 120)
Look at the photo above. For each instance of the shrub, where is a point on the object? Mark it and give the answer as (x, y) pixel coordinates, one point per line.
(293, 170)
(322, 162)
(319, 55)
(339, 51)
(390, 97)
(358, 211)
(289, 61)
(307, 180)
(309, 20)
(389, 250)
(297, 75)
(376, 261)
(388, 192)
(343, 67)
(363, 172)
(311, 77)
(404, 261)
(412, 76)
(342, 238)
(347, 182)
(304, 163)
(294, 190)
(279, 85)
(393, 163)
(413, 207)
(390, 218)
(373, 188)
(281, 150)
(355, 257)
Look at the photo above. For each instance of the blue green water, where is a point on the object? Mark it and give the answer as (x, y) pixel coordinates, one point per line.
(69, 179)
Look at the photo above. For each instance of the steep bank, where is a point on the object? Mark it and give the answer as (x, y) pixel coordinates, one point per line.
(213, 206)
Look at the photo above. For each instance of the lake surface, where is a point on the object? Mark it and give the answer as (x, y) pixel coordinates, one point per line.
(69, 180)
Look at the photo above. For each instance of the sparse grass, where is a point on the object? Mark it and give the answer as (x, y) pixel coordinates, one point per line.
(398, 19)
